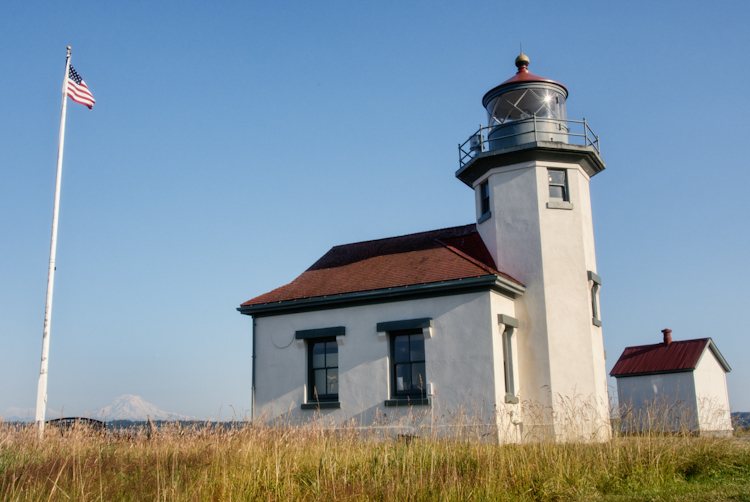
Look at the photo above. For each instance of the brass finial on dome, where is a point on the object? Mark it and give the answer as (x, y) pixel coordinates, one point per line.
(522, 60)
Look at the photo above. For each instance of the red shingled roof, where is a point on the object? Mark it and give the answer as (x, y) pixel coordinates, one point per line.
(426, 257)
(680, 355)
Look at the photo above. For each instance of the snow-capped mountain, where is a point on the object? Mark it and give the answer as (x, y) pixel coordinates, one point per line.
(134, 408)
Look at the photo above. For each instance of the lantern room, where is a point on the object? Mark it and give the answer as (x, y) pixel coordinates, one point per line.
(527, 121)
(526, 108)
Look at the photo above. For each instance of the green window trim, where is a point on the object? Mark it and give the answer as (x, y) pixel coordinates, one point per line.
(307, 334)
(410, 401)
(421, 323)
(321, 405)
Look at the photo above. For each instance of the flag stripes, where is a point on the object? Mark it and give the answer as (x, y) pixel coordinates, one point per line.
(77, 89)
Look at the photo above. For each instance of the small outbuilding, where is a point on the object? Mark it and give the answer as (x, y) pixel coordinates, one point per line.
(676, 385)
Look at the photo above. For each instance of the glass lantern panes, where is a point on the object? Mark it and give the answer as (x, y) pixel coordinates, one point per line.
(521, 104)
(409, 364)
(324, 370)
(558, 185)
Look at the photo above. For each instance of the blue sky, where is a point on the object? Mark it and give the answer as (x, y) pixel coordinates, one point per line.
(232, 145)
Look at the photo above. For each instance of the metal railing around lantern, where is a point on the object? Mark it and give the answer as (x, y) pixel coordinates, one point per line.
(576, 132)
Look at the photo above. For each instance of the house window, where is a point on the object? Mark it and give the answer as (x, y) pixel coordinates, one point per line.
(323, 380)
(408, 364)
(595, 286)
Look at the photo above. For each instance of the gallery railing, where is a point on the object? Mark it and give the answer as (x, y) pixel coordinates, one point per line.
(532, 129)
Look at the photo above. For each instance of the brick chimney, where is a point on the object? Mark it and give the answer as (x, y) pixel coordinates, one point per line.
(667, 336)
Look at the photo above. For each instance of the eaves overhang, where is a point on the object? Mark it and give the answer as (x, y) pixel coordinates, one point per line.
(715, 351)
(490, 282)
(646, 373)
(585, 156)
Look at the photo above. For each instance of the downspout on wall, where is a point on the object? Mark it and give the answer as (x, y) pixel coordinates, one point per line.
(252, 398)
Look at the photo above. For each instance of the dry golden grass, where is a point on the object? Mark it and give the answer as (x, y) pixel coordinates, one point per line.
(309, 462)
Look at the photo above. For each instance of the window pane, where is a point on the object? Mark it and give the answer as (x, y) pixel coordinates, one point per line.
(333, 381)
(416, 347)
(401, 349)
(485, 194)
(556, 192)
(320, 382)
(418, 380)
(332, 354)
(556, 177)
(319, 355)
(403, 377)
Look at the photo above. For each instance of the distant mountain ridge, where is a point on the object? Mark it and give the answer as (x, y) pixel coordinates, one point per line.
(741, 419)
(128, 408)
(135, 408)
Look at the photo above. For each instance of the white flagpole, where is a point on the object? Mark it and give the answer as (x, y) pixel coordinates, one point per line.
(41, 393)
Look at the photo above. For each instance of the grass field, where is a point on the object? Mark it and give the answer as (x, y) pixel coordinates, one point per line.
(311, 463)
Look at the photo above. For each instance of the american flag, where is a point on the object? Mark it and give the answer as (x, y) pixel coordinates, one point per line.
(77, 89)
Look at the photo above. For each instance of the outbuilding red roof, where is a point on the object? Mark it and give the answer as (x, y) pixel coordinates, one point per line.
(682, 355)
(426, 257)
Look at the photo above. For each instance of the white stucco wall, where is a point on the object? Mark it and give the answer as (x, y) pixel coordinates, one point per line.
(711, 394)
(658, 402)
(513, 237)
(460, 359)
(550, 251)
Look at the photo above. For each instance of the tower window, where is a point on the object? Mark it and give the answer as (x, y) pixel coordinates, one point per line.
(596, 283)
(558, 185)
(509, 327)
(485, 191)
(484, 201)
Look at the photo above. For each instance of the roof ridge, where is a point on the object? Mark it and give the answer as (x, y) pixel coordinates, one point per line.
(467, 257)
(405, 235)
(672, 342)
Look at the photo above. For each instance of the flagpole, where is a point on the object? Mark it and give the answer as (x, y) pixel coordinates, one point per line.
(41, 394)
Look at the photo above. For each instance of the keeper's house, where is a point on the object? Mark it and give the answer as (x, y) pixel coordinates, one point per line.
(674, 385)
(478, 318)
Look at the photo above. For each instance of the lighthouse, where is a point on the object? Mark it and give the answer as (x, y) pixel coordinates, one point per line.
(531, 169)
(497, 320)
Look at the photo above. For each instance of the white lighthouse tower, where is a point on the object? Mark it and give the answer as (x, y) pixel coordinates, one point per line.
(530, 169)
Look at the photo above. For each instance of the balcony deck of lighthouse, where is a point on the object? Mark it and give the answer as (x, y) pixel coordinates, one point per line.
(530, 168)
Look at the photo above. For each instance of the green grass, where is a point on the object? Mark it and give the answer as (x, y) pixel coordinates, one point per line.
(310, 463)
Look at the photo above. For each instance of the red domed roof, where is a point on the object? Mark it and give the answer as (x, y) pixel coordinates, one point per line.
(523, 75)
